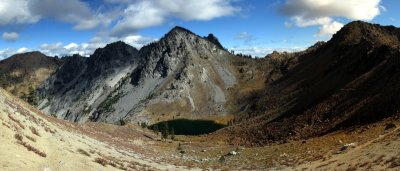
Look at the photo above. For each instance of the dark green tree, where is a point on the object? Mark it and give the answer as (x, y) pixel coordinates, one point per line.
(164, 130)
(143, 125)
(156, 129)
(172, 133)
(23, 96)
(31, 98)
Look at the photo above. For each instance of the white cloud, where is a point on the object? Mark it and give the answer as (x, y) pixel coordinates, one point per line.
(5, 53)
(10, 36)
(321, 13)
(263, 51)
(71, 46)
(138, 41)
(16, 12)
(87, 49)
(23, 50)
(57, 49)
(329, 29)
(139, 16)
(76, 12)
(51, 46)
(302, 22)
(142, 14)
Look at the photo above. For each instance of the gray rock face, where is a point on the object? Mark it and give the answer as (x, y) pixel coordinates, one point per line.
(181, 75)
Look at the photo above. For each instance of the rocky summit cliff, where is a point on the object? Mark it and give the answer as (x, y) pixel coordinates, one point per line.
(180, 76)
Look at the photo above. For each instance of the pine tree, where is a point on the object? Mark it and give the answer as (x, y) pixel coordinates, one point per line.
(172, 133)
(165, 131)
(156, 129)
(31, 98)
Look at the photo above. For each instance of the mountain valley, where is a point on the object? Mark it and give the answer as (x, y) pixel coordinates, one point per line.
(335, 105)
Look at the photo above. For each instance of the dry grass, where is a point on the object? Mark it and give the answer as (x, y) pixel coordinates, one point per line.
(365, 164)
(101, 161)
(351, 168)
(394, 162)
(34, 131)
(16, 121)
(6, 125)
(19, 137)
(108, 160)
(31, 138)
(47, 129)
(83, 152)
(33, 149)
(379, 159)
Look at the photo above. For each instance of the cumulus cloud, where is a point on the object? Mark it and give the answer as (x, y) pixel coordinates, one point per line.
(128, 15)
(71, 46)
(16, 12)
(31, 11)
(4, 53)
(71, 11)
(329, 29)
(87, 49)
(57, 49)
(23, 50)
(10, 36)
(148, 13)
(138, 41)
(306, 13)
(263, 51)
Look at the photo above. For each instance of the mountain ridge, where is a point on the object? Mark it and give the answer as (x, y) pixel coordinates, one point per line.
(341, 83)
(163, 73)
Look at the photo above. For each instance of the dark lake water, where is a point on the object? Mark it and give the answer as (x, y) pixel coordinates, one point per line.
(190, 127)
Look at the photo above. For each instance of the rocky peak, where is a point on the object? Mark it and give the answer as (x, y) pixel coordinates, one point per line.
(214, 40)
(114, 51)
(178, 30)
(373, 34)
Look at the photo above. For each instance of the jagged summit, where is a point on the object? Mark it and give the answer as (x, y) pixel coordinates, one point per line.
(118, 82)
(117, 44)
(185, 33)
(112, 48)
(115, 54)
(214, 40)
(179, 29)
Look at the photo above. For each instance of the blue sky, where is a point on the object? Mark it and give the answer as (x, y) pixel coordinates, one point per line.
(257, 27)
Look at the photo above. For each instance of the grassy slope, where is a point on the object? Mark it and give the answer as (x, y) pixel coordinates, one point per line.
(60, 145)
